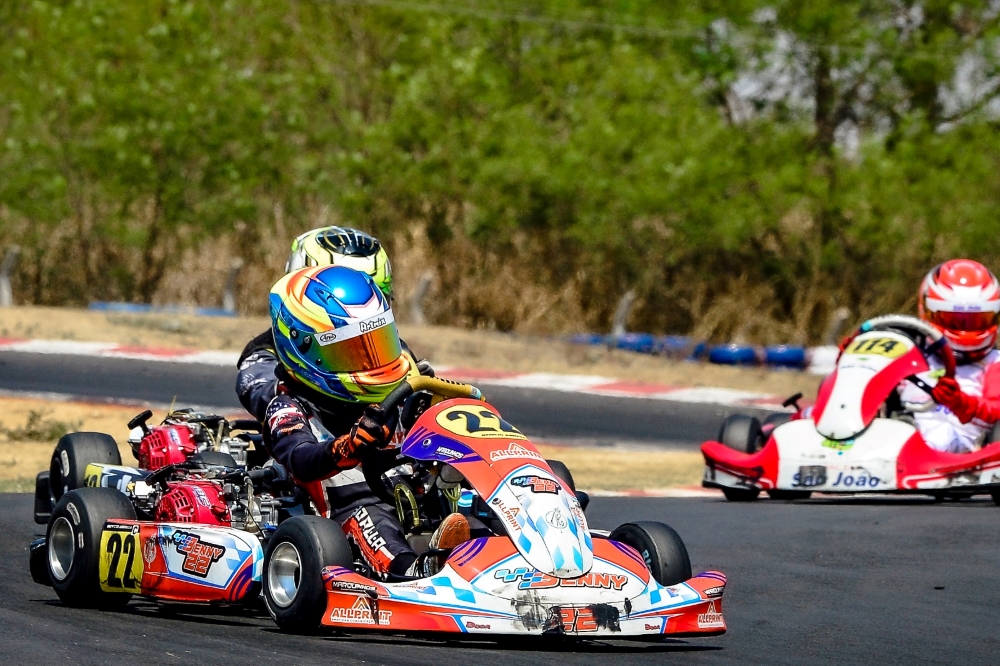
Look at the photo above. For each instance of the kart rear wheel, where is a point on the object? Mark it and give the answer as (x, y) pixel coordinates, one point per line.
(73, 544)
(995, 494)
(741, 494)
(660, 546)
(777, 419)
(73, 453)
(296, 555)
(789, 494)
(742, 433)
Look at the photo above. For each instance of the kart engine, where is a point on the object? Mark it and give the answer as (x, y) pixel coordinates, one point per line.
(183, 434)
(214, 502)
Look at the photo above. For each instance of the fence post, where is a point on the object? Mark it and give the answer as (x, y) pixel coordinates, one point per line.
(6, 268)
(621, 313)
(229, 294)
(417, 300)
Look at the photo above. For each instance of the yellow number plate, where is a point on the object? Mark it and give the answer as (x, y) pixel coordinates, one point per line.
(479, 422)
(121, 563)
(888, 347)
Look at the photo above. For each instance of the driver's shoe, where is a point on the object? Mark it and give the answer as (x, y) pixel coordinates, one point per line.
(453, 531)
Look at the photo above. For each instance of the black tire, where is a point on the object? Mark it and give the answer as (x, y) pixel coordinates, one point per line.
(741, 494)
(560, 470)
(73, 545)
(995, 494)
(73, 453)
(296, 555)
(660, 546)
(789, 494)
(741, 433)
(777, 419)
(215, 459)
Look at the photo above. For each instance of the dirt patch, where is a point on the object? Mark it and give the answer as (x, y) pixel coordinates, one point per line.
(593, 468)
(481, 350)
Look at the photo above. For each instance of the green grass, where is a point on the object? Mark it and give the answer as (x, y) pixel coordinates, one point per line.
(22, 485)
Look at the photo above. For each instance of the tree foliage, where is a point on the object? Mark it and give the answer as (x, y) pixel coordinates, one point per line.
(745, 166)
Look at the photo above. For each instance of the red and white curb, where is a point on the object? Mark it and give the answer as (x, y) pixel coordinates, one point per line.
(588, 384)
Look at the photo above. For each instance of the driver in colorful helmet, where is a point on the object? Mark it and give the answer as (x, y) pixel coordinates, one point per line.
(340, 355)
(962, 299)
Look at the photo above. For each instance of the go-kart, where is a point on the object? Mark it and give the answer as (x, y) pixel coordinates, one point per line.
(858, 437)
(532, 567)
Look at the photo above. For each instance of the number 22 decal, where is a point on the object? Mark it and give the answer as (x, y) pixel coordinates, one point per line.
(121, 563)
(477, 422)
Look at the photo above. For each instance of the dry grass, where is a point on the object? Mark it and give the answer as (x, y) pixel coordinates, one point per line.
(593, 468)
(483, 350)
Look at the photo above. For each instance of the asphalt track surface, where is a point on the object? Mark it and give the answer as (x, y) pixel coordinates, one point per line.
(819, 582)
(551, 415)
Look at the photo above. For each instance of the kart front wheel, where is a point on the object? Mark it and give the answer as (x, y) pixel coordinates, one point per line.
(995, 494)
(73, 453)
(660, 546)
(293, 564)
(741, 494)
(73, 545)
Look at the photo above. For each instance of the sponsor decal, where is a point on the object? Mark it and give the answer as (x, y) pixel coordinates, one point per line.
(477, 422)
(368, 529)
(838, 446)
(149, 550)
(201, 497)
(199, 555)
(809, 476)
(451, 453)
(74, 513)
(860, 480)
(514, 450)
(352, 586)
(174, 437)
(360, 613)
(326, 338)
(556, 519)
(115, 526)
(508, 514)
(372, 324)
(475, 625)
(532, 579)
(536, 484)
(714, 591)
(652, 627)
(711, 618)
(64, 462)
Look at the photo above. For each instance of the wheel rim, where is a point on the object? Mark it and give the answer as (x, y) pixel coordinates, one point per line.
(283, 574)
(62, 548)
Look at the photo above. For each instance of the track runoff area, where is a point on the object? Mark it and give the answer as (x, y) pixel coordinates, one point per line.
(827, 581)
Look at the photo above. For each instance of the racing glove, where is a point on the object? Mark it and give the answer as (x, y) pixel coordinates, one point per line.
(966, 407)
(369, 431)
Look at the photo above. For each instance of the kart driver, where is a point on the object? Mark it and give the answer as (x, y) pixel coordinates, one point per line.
(962, 299)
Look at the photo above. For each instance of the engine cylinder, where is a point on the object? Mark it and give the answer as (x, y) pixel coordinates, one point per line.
(166, 445)
(193, 501)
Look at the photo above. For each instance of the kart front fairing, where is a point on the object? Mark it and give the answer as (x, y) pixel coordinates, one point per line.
(544, 520)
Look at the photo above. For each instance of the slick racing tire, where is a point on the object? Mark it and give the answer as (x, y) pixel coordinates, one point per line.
(995, 495)
(741, 494)
(296, 555)
(660, 546)
(73, 544)
(560, 470)
(789, 494)
(72, 455)
(777, 419)
(741, 433)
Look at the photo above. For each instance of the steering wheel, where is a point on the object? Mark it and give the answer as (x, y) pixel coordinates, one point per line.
(376, 462)
(929, 340)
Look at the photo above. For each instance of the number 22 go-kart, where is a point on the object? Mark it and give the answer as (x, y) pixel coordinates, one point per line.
(533, 567)
(857, 437)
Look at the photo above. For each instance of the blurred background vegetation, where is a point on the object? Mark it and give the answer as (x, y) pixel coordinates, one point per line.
(745, 166)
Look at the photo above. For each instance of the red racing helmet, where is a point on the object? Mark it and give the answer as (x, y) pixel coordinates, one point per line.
(962, 298)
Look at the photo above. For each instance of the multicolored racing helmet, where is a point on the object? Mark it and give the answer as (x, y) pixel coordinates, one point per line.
(334, 332)
(342, 246)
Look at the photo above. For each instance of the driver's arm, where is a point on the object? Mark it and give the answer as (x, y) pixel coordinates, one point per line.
(985, 409)
(294, 445)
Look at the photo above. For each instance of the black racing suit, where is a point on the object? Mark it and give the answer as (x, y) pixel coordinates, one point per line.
(302, 431)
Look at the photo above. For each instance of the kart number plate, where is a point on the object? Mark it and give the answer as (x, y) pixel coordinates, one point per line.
(810, 476)
(583, 619)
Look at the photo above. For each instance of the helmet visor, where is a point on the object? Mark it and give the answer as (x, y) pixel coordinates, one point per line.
(355, 348)
(964, 321)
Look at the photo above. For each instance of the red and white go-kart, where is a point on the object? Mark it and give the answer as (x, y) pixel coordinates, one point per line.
(857, 437)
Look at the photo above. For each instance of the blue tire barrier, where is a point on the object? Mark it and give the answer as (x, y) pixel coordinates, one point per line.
(642, 343)
(675, 346)
(733, 354)
(785, 356)
(146, 308)
(699, 352)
